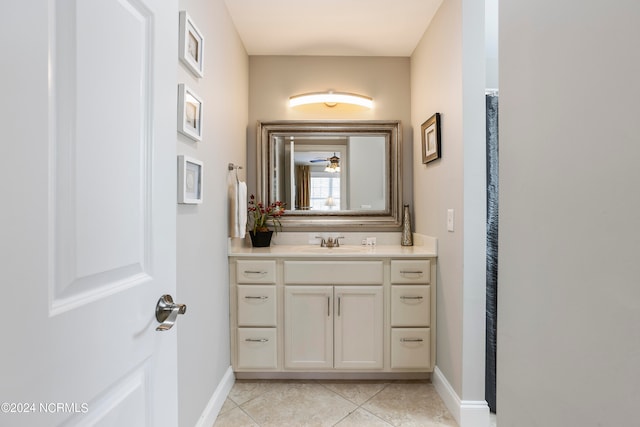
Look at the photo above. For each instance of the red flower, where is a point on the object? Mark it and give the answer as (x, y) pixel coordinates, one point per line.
(261, 215)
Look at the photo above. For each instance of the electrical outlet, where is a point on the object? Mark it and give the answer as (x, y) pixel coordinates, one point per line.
(449, 219)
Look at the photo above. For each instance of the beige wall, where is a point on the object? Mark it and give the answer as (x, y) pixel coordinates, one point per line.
(569, 298)
(436, 86)
(449, 79)
(202, 272)
(273, 79)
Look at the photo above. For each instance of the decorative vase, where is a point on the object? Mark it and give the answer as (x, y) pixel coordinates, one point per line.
(407, 237)
(260, 239)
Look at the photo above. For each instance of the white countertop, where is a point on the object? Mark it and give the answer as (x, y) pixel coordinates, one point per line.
(292, 246)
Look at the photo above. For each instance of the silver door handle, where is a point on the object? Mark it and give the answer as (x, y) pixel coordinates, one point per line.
(409, 297)
(411, 340)
(167, 312)
(260, 297)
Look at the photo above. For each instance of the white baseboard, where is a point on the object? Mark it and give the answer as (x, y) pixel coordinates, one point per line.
(220, 394)
(467, 413)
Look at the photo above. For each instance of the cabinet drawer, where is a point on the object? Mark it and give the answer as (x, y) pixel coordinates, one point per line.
(333, 272)
(256, 305)
(410, 348)
(410, 305)
(257, 348)
(252, 271)
(411, 271)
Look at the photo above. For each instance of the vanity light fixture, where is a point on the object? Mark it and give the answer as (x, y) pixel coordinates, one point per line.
(331, 99)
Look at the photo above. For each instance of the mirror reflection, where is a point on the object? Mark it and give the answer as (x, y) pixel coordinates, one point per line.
(332, 172)
(343, 173)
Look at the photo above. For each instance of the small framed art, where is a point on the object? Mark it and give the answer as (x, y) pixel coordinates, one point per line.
(189, 113)
(191, 45)
(431, 139)
(189, 180)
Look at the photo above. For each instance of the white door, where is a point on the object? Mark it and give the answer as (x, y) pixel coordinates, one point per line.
(88, 165)
(358, 327)
(308, 327)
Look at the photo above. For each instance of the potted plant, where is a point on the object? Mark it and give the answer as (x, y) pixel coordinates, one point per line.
(259, 218)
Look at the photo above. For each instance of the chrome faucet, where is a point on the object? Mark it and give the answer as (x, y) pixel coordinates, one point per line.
(331, 242)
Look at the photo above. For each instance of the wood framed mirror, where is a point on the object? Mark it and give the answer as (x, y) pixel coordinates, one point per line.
(332, 174)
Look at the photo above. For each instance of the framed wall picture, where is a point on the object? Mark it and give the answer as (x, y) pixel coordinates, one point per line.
(191, 45)
(431, 139)
(189, 180)
(189, 113)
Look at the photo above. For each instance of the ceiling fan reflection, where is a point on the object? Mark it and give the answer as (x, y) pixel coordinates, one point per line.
(334, 163)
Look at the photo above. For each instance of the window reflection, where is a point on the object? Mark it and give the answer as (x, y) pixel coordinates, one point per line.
(325, 191)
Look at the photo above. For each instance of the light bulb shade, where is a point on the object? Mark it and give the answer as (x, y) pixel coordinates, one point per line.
(334, 164)
(331, 98)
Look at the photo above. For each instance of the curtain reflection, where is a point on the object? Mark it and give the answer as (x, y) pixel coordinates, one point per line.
(303, 187)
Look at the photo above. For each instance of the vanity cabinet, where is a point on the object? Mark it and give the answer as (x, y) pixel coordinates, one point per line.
(333, 327)
(339, 325)
(293, 314)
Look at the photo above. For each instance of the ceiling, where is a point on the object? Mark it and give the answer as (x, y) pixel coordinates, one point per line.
(331, 27)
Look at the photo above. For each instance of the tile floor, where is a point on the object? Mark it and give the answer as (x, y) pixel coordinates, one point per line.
(294, 403)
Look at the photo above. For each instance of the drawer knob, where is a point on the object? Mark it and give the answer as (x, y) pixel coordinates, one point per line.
(410, 297)
(411, 340)
(256, 340)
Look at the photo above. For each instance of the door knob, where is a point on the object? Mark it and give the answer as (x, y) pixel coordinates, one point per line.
(167, 312)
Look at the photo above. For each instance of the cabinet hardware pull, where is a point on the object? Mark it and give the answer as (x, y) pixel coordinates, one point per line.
(260, 297)
(411, 340)
(410, 272)
(254, 272)
(256, 339)
(328, 306)
(408, 297)
(338, 306)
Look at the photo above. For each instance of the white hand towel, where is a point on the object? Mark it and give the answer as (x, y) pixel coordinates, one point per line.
(237, 208)
(233, 207)
(241, 199)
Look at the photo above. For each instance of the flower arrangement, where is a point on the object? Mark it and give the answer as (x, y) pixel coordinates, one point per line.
(260, 215)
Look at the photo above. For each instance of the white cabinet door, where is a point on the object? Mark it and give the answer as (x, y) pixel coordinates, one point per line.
(308, 327)
(358, 327)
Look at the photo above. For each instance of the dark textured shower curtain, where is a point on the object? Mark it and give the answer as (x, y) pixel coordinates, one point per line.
(492, 249)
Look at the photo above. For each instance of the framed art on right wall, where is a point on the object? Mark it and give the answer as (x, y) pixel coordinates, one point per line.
(431, 139)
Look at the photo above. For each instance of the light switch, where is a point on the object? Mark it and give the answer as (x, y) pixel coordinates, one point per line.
(449, 219)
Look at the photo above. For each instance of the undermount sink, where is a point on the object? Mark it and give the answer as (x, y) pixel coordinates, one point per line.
(339, 249)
